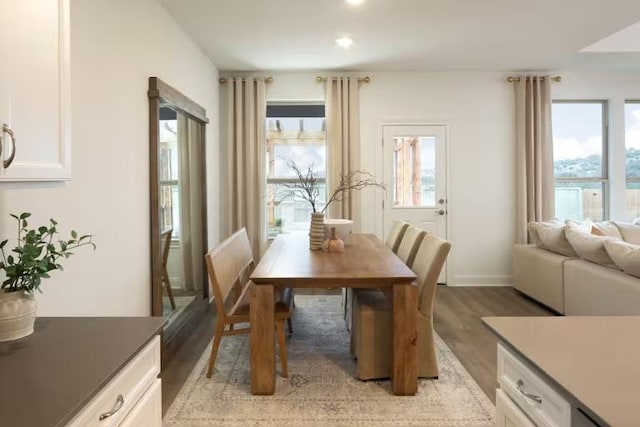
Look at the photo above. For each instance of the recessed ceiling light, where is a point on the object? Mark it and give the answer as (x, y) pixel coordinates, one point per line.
(344, 42)
(355, 2)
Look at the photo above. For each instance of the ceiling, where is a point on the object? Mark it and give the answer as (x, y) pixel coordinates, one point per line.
(411, 35)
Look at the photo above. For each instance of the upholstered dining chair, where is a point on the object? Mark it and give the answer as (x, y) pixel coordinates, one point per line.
(373, 317)
(229, 266)
(165, 238)
(409, 244)
(398, 228)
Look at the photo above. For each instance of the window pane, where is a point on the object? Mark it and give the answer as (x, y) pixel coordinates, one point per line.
(579, 201)
(577, 139)
(169, 176)
(414, 171)
(632, 144)
(291, 214)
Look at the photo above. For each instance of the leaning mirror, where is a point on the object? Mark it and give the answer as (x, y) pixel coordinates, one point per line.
(178, 212)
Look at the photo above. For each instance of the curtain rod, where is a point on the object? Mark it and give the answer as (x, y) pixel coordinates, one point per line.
(512, 79)
(365, 79)
(223, 80)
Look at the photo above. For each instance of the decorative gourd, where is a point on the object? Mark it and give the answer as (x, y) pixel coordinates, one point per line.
(333, 244)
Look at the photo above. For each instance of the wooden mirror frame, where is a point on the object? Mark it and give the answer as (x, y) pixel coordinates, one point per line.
(162, 95)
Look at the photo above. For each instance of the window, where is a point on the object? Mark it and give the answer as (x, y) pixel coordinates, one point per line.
(294, 132)
(414, 171)
(579, 159)
(169, 190)
(632, 145)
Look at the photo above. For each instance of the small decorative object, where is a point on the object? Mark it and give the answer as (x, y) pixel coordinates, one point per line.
(307, 188)
(343, 228)
(24, 268)
(333, 244)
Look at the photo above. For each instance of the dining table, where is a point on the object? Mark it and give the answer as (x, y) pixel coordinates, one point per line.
(365, 263)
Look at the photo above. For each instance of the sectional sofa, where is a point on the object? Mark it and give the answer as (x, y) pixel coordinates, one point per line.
(572, 285)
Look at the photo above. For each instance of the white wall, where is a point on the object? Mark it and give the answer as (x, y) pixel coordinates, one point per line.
(478, 110)
(115, 46)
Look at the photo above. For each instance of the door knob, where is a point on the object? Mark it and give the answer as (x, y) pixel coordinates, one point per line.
(441, 201)
(440, 212)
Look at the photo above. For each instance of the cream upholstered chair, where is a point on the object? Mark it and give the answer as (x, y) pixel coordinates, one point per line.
(398, 228)
(373, 317)
(229, 266)
(409, 244)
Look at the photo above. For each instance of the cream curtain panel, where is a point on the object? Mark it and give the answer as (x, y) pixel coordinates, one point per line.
(534, 173)
(343, 141)
(244, 104)
(190, 187)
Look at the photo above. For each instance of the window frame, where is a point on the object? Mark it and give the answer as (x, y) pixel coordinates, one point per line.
(604, 178)
(635, 179)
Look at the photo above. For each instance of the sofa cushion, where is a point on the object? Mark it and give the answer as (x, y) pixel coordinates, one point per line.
(625, 255)
(606, 228)
(630, 232)
(588, 246)
(552, 238)
(532, 227)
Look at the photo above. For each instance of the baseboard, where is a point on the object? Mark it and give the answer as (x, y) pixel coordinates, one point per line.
(477, 280)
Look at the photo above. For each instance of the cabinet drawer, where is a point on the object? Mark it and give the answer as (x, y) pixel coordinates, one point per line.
(130, 383)
(508, 414)
(539, 401)
(148, 411)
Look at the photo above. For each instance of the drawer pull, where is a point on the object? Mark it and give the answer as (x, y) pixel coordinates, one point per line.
(119, 403)
(533, 397)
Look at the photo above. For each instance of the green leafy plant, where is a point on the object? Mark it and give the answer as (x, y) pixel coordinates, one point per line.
(37, 253)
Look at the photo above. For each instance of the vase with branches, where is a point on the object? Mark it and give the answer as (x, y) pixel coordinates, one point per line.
(306, 186)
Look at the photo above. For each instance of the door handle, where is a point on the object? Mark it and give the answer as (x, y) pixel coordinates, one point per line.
(6, 129)
(440, 212)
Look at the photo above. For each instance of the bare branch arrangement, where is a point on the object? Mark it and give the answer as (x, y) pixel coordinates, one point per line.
(306, 186)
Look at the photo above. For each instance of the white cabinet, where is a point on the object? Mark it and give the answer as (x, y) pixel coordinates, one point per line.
(525, 397)
(132, 398)
(34, 90)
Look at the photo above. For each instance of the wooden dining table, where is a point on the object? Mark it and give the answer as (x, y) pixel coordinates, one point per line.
(365, 263)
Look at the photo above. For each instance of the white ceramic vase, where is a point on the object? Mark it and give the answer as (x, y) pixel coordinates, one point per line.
(316, 231)
(17, 315)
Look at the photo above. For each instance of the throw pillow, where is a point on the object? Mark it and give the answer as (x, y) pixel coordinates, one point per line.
(589, 246)
(606, 228)
(553, 239)
(636, 221)
(630, 232)
(532, 228)
(625, 255)
(585, 225)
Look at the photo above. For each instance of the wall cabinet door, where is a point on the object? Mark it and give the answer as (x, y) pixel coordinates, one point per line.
(34, 90)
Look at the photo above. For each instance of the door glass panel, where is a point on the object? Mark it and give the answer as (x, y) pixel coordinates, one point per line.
(414, 171)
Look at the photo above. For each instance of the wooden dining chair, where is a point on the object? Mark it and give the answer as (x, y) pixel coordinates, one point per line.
(373, 317)
(165, 238)
(230, 265)
(398, 228)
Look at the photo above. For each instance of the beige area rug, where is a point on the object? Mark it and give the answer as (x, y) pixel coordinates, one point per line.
(322, 389)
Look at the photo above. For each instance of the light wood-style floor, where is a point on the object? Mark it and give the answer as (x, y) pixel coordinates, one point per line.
(457, 316)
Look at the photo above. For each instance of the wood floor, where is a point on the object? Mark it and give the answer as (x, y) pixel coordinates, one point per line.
(456, 319)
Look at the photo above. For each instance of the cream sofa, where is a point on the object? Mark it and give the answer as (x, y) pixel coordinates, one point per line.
(573, 286)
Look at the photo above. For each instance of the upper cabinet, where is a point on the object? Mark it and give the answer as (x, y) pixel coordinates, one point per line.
(34, 91)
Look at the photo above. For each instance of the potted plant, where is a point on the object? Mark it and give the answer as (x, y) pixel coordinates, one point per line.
(307, 188)
(38, 252)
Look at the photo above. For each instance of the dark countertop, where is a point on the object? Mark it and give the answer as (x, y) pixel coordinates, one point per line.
(49, 376)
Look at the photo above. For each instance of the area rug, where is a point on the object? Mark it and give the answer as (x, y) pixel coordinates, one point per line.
(322, 389)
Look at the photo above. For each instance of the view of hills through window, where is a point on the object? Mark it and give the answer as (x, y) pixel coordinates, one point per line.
(632, 145)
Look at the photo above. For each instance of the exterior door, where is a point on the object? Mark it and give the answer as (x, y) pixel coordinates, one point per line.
(415, 176)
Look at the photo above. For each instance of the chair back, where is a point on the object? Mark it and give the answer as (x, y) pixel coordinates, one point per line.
(165, 238)
(229, 264)
(394, 237)
(410, 243)
(430, 258)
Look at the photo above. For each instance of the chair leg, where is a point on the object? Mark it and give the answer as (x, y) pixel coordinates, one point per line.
(290, 326)
(214, 348)
(167, 286)
(283, 348)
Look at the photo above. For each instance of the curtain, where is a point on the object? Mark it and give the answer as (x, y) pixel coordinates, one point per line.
(343, 142)
(190, 187)
(534, 173)
(244, 142)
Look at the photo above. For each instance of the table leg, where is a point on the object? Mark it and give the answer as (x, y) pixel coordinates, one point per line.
(263, 350)
(404, 373)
